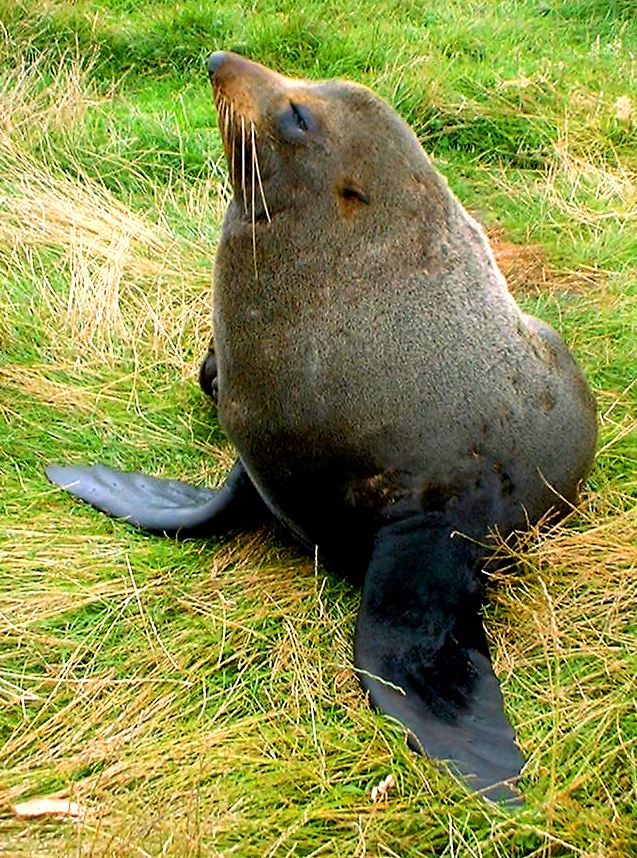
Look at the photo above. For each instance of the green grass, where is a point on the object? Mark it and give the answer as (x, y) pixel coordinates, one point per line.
(198, 699)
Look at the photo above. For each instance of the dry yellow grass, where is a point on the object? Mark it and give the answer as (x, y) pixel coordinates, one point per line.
(118, 264)
(157, 732)
(129, 278)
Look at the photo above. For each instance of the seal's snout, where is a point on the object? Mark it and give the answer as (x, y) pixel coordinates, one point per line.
(215, 61)
(225, 67)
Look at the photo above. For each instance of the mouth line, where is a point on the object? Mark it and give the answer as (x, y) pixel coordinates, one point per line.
(262, 218)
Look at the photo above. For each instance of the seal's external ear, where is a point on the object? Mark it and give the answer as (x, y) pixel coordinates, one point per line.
(351, 190)
(422, 654)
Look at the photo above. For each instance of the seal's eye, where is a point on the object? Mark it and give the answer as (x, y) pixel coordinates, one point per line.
(299, 118)
(296, 121)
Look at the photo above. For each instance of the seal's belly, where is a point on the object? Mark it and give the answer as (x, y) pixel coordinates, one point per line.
(319, 419)
(327, 472)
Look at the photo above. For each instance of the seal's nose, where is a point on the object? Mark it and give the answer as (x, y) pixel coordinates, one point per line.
(215, 60)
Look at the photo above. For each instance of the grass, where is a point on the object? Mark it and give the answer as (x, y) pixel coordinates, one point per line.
(198, 699)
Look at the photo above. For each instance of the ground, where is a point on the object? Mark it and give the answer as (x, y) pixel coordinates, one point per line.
(198, 699)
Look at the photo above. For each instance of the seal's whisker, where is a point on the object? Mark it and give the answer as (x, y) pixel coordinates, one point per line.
(243, 163)
(229, 124)
(225, 123)
(253, 201)
(258, 171)
(221, 111)
(227, 133)
(232, 141)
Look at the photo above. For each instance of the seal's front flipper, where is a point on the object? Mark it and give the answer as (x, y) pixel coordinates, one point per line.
(422, 654)
(208, 375)
(170, 507)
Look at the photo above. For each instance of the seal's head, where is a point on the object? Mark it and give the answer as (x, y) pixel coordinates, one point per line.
(332, 150)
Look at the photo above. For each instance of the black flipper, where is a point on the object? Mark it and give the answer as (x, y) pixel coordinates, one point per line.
(168, 507)
(422, 654)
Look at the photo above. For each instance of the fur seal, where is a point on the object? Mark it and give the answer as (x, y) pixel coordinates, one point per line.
(388, 399)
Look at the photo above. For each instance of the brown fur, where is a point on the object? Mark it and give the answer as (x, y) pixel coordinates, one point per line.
(363, 328)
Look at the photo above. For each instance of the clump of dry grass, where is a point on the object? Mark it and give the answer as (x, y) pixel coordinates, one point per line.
(585, 198)
(129, 278)
(117, 264)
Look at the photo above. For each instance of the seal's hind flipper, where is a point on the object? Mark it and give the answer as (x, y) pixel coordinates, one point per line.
(164, 506)
(422, 654)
